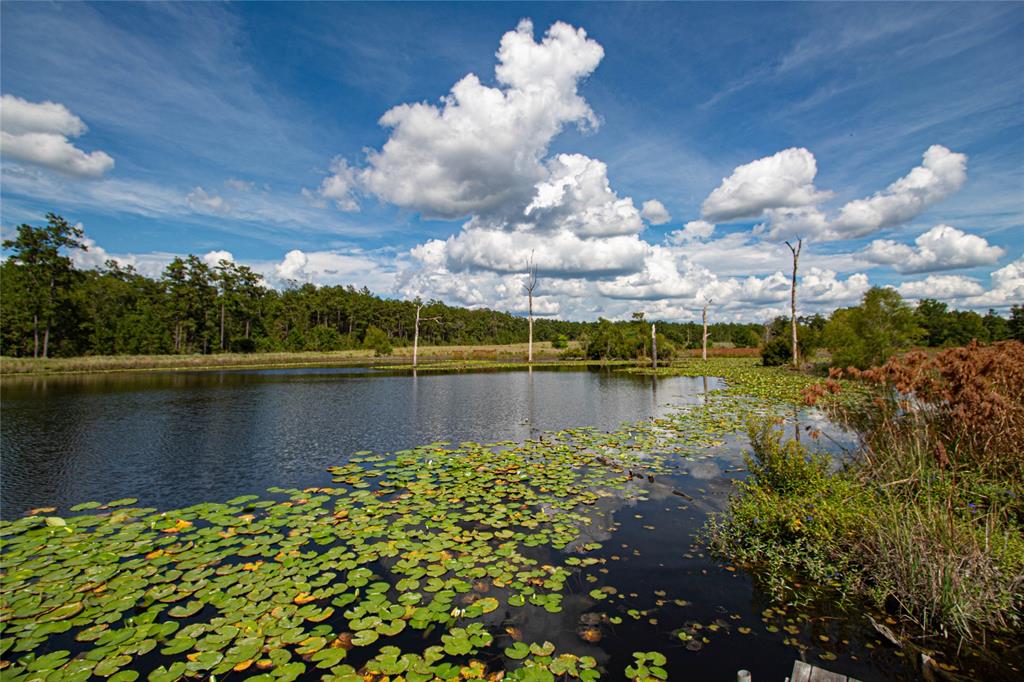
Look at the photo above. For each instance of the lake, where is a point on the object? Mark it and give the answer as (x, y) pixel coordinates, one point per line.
(177, 438)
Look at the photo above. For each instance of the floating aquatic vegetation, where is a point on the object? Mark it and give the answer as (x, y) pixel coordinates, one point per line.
(434, 539)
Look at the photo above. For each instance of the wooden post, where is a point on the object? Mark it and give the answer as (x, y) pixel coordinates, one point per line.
(792, 299)
(654, 345)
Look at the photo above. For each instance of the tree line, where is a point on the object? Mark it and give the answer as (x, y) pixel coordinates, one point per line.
(48, 307)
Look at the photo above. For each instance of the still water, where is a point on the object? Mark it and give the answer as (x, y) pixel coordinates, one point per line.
(173, 439)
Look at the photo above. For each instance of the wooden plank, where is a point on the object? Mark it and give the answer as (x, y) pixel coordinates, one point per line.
(805, 672)
(821, 675)
(801, 672)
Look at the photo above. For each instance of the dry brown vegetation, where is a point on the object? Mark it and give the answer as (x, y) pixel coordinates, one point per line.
(970, 400)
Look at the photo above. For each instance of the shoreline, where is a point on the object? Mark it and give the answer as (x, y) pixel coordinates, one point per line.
(430, 357)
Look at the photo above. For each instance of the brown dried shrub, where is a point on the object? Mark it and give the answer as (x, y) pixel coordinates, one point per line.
(969, 400)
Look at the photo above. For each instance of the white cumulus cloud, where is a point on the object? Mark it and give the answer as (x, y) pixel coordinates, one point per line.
(557, 254)
(483, 154)
(354, 267)
(213, 258)
(664, 275)
(481, 150)
(293, 266)
(37, 133)
(941, 248)
(783, 180)
(822, 286)
(789, 223)
(340, 186)
(781, 188)
(1007, 287)
(941, 173)
(942, 287)
(654, 212)
(695, 230)
(578, 198)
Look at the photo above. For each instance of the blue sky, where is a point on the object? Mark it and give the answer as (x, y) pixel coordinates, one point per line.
(254, 129)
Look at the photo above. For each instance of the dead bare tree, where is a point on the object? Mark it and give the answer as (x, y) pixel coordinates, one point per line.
(704, 334)
(654, 345)
(529, 286)
(792, 298)
(416, 333)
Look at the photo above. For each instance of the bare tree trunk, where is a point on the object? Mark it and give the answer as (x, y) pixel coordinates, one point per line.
(704, 335)
(792, 299)
(35, 335)
(416, 337)
(530, 285)
(529, 351)
(654, 345)
(248, 326)
(222, 325)
(49, 314)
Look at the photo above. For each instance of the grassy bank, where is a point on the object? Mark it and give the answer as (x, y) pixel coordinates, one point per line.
(430, 357)
(928, 520)
(543, 352)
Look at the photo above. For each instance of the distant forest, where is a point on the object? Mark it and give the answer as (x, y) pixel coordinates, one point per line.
(51, 309)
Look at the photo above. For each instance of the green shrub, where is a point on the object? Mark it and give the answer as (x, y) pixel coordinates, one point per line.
(868, 334)
(790, 518)
(776, 352)
(378, 340)
(784, 469)
(561, 341)
(243, 345)
(323, 338)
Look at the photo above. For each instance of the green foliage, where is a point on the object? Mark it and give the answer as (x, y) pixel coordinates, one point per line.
(777, 352)
(43, 280)
(560, 342)
(786, 469)
(791, 518)
(195, 308)
(1016, 323)
(870, 333)
(647, 665)
(378, 340)
(745, 336)
(908, 522)
(613, 341)
(943, 327)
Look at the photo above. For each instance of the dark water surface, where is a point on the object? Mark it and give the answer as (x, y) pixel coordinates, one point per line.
(178, 438)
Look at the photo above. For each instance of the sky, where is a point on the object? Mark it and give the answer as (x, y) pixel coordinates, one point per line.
(642, 157)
